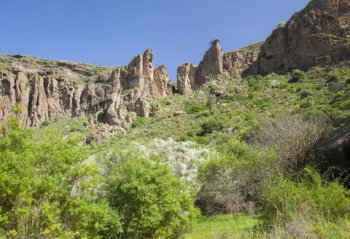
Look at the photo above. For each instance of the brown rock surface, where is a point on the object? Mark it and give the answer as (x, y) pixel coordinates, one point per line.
(317, 35)
(212, 63)
(242, 62)
(186, 78)
(162, 81)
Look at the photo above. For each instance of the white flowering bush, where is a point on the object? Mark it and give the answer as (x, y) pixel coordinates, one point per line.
(183, 157)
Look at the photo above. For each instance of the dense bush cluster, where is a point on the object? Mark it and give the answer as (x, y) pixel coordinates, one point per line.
(49, 189)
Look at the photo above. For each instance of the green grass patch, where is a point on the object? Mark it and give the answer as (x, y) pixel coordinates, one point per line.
(224, 226)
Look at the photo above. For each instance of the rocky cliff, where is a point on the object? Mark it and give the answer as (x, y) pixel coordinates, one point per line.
(45, 90)
(317, 35)
(186, 78)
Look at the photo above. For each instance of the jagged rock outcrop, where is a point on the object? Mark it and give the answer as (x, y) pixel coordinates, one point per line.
(317, 35)
(46, 90)
(186, 78)
(189, 77)
(237, 63)
(162, 81)
(211, 65)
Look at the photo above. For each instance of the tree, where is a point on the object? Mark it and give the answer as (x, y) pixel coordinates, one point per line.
(152, 202)
(46, 189)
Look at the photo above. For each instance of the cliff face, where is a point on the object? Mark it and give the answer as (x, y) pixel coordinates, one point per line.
(46, 90)
(317, 35)
(243, 61)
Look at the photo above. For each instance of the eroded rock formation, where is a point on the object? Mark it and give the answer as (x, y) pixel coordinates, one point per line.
(186, 78)
(211, 65)
(46, 90)
(162, 81)
(189, 77)
(317, 35)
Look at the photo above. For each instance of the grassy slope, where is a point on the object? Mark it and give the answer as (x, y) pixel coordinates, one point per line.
(249, 102)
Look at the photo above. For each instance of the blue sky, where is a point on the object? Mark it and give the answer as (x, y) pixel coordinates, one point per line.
(111, 32)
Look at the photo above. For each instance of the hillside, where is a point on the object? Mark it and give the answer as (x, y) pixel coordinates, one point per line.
(251, 143)
(217, 126)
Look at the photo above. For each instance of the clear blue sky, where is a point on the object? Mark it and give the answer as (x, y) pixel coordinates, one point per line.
(111, 32)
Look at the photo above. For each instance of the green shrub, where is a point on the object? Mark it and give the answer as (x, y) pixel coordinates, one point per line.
(296, 76)
(192, 108)
(230, 182)
(152, 202)
(283, 198)
(254, 81)
(141, 121)
(168, 102)
(332, 77)
(273, 84)
(305, 93)
(211, 125)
